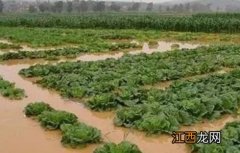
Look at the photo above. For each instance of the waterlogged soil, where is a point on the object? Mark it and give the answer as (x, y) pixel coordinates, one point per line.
(163, 46)
(165, 84)
(25, 47)
(23, 135)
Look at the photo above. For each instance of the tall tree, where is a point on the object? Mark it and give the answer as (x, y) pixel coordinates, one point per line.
(82, 6)
(58, 6)
(115, 7)
(134, 7)
(1, 6)
(69, 6)
(99, 6)
(32, 9)
(43, 7)
(149, 7)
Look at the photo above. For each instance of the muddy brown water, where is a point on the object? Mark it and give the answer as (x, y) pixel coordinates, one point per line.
(24, 135)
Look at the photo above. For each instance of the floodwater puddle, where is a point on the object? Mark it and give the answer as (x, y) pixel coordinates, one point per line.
(27, 135)
(162, 47)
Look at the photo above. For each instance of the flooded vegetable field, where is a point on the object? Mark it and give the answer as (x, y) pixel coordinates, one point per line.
(120, 88)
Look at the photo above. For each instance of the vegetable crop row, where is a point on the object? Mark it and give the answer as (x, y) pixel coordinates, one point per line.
(183, 103)
(230, 136)
(83, 79)
(75, 134)
(4, 46)
(67, 52)
(117, 83)
(9, 90)
(200, 23)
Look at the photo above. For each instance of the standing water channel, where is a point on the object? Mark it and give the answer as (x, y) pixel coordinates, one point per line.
(23, 135)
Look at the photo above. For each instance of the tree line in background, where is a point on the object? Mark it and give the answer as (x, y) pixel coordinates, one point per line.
(99, 6)
(85, 6)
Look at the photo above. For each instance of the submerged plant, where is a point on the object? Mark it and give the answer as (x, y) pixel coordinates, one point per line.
(9, 90)
(230, 141)
(35, 109)
(54, 119)
(123, 147)
(79, 134)
(102, 102)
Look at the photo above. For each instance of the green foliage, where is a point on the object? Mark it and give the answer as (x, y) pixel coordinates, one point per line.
(229, 141)
(118, 84)
(75, 134)
(102, 102)
(195, 23)
(83, 79)
(67, 52)
(54, 119)
(79, 134)
(183, 103)
(123, 147)
(8, 90)
(4, 46)
(35, 109)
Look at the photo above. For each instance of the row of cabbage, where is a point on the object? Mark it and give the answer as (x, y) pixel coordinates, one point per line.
(74, 133)
(183, 103)
(125, 21)
(83, 79)
(230, 141)
(118, 83)
(68, 52)
(8, 89)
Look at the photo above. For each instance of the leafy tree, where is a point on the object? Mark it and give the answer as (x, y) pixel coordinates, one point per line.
(82, 6)
(115, 7)
(149, 6)
(99, 6)
(43, 7)
(1, 6)
(58, 6)
(69, 7)
(32, 9)
(135, 7)
(160, 8)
